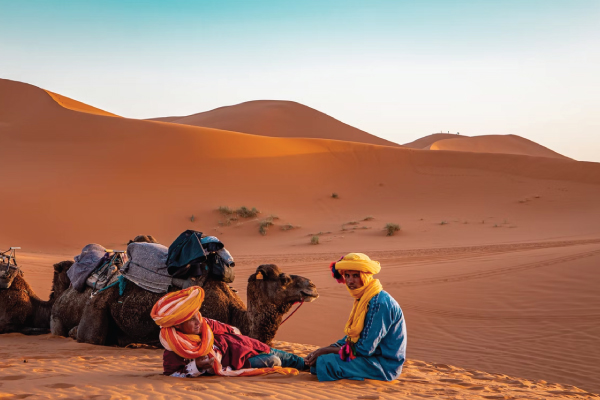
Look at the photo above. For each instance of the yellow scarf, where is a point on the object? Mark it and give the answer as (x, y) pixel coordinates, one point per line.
(356, 322)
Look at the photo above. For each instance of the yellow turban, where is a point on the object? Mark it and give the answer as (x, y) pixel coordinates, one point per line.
(358, 262)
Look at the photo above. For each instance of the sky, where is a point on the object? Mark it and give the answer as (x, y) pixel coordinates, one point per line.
(397, 69)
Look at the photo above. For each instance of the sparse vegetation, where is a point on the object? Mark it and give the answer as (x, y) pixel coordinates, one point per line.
(368, 218)
(245, 212)
(444, 223)
(314, 240)
(266, 223)
(391, 229)
(225, 210)
(192, 218)
(288, 227)
(335, 195)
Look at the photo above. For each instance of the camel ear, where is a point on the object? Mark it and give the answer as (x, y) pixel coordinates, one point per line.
(259, 275)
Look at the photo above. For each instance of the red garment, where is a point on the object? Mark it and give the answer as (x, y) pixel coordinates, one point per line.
(236, 349)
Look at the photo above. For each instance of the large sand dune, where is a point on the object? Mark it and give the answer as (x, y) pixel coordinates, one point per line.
(494, 265)
(506, 144)
(277, 119)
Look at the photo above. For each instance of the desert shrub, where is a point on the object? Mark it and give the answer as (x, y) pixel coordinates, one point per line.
(444, 223)
(225, 210)
(391, 228)
(351, 223)
(288, 227)
(335, 195)
(314, 240)
(368, 218)
(192, 218)
(245, 212)
(266, 223)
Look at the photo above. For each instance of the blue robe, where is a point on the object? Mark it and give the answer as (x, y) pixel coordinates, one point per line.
(380, 350)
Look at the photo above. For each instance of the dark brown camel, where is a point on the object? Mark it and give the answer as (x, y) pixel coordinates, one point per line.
(108, 318)
(20, 309)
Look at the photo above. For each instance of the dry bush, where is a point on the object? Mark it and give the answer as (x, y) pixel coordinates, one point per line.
(391, 229)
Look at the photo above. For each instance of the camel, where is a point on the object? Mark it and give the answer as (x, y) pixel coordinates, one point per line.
(109, 318)
(21, 310)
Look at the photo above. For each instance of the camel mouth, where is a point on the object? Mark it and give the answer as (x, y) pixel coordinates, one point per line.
(308, 297)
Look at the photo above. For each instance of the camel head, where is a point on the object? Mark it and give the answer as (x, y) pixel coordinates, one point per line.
(271, 286)
(8, 273)
(60, 281)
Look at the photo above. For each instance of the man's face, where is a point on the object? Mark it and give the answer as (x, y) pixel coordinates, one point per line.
(191, 326)
(353, 280)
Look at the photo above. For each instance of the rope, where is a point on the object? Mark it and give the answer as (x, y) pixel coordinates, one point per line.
(121, 282)
(288, 317)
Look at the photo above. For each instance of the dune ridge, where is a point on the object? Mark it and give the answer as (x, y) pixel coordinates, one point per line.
(75, 105)
(277, 118)
(506, 144)
(426, 141)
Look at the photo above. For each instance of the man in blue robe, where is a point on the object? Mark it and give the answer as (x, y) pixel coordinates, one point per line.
(375, 343)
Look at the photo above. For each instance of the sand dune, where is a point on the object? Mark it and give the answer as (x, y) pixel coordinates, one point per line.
(492, 246)
(506, 144)
(426, 141)
(75, 105)
(277, 119)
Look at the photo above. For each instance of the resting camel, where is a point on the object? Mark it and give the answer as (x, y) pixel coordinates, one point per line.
(108, 318)
(20, 309)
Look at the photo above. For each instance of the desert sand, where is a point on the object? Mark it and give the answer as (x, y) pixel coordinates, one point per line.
(495, 265)
(506, 144)
(277, 119)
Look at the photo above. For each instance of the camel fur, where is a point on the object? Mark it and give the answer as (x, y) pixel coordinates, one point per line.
(108, 318)
(21, 310)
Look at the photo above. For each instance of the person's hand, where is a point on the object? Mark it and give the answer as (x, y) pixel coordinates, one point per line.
(203, 363)
(236, 330)
(311, 359)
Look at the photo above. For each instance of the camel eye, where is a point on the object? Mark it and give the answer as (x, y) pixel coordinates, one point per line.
(285, 279)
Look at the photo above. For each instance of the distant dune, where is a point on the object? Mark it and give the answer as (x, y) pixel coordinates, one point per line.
(277, 119)
(506, 144)
(495, 265)
(426, 141)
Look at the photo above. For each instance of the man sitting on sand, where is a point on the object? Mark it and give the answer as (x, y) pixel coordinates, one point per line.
(375, 343)
(196, 345)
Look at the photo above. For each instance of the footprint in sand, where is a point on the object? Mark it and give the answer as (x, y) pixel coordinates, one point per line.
(254, 394)
(12, 377)
(60, 386)
(196, 388)
(43, 370)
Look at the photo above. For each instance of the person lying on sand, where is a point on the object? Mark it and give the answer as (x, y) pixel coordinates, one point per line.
(196, 346)
(375, 343)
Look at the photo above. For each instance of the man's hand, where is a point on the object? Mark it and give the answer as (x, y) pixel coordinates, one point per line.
(203, 363)
(311, 359)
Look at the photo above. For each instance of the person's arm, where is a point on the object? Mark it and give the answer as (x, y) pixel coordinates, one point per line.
(178, 367)
(220, 328)
(311, 359)
(378, 321)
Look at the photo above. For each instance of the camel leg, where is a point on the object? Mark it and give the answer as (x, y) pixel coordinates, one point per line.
(94, 325)
(57, 328)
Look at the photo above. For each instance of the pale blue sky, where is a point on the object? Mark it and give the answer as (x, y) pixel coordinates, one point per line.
(397, 69)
